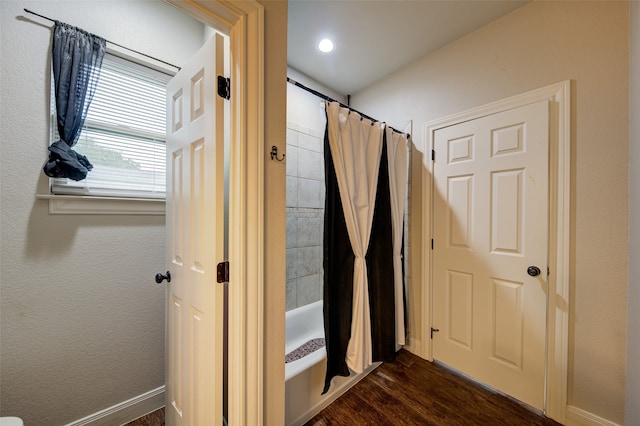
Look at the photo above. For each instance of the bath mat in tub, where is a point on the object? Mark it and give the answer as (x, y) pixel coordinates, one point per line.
(304, 350)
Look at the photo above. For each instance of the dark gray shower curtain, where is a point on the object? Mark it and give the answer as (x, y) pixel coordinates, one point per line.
(76, 58)
(338, 262)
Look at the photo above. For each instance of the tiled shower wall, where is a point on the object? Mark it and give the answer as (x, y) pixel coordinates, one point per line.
(305, 215)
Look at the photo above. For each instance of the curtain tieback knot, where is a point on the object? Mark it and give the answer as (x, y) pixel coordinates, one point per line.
(65, 162)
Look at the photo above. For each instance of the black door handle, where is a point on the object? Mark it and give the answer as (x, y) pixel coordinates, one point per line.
(534, 271)
(160, 277)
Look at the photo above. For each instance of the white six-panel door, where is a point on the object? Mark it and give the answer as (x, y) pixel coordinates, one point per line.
(490, 224)
(195, 238)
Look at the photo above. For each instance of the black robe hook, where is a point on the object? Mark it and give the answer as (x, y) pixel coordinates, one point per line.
(274, 154)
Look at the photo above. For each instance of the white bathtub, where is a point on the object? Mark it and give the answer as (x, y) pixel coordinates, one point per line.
(302, 325)
(305, 377)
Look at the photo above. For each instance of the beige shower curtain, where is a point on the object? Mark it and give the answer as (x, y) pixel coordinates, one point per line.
(398, 178)
(356, 147)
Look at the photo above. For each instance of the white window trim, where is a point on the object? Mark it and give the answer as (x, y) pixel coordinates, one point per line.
(101, 205)
(84, 204)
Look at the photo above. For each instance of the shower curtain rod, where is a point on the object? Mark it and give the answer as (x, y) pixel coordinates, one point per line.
(115, 44)
(327, 98)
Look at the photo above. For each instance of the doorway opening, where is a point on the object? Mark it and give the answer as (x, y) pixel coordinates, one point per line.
(243, 24)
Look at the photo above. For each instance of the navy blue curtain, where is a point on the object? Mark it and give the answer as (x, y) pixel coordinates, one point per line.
(76, 58)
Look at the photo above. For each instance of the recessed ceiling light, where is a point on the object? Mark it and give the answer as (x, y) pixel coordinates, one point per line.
(325, 45)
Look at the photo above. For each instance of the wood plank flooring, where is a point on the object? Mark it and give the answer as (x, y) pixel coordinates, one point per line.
(155, 418)
(413, 391)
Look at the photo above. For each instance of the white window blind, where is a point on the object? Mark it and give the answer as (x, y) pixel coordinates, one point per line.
(123, 135)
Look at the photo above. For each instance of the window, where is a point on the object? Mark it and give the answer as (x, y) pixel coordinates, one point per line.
(123, 135)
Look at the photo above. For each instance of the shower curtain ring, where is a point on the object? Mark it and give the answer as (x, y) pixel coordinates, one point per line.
(274, 154)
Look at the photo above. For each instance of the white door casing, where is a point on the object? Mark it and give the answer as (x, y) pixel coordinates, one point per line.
(489, 225)
(243, 22)
(195, 239)
(559, 215)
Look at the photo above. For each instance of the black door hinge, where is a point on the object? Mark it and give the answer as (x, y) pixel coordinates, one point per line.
(224, 87)
(433, 155)
(432, 244)
(223, 272)
(434, 330)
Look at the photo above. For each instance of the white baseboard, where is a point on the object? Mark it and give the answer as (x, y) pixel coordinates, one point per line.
(579, 417)
(126, 411)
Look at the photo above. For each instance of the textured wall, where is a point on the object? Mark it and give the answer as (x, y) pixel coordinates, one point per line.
(82, 321)
(540, 44)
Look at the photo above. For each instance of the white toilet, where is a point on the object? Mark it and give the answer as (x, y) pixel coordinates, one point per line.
(10, 421)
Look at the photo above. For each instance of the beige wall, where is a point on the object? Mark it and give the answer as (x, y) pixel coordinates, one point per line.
(632, 412)
(539, 44)
(82, 320)
(275, 81)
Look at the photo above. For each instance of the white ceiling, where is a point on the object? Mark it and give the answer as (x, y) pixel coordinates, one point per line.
(374, 38)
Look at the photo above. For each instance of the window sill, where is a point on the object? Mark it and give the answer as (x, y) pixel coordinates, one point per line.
(81, 204)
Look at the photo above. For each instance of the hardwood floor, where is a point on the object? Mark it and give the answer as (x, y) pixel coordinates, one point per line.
(413, 391)
(155, 418)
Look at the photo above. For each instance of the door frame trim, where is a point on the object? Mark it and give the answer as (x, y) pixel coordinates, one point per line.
(243, 22)
(559, 97)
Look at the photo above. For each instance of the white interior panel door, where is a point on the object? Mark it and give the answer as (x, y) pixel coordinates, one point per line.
(195, 240)
(490, 225)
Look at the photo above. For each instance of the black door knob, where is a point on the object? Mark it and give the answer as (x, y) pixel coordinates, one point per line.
(160, 277)
(534, 271)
